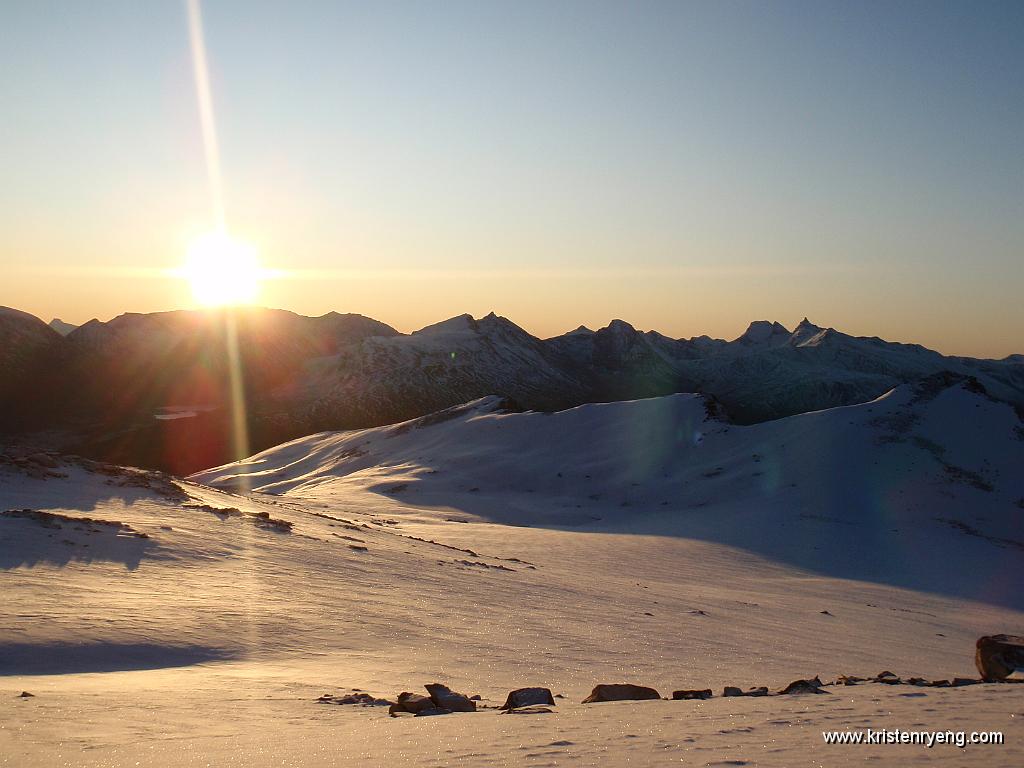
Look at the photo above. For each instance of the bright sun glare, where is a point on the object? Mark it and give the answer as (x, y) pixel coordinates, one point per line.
(222, 271)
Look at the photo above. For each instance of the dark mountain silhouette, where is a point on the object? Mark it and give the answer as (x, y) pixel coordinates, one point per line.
(157, 389)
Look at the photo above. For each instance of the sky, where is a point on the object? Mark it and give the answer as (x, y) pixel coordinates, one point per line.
(685, 166)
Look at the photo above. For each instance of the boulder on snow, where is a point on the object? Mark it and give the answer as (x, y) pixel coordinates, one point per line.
(850, 680)
(999, 656)
(685, 695)
(621, 692)
(528, 697)
(812, 685)
(412, 703)
(356, 698)
(732, 690)
(445, 698)
(43, 460)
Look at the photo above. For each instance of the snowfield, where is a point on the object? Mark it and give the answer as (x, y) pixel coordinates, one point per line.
(180, 623)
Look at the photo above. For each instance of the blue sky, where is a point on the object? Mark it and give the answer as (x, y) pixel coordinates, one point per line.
(686, 166)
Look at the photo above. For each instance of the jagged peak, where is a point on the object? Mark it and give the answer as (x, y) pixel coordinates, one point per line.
(459, 323)
(762, 331)
(805, 333)
(61, 327)
(618, 326)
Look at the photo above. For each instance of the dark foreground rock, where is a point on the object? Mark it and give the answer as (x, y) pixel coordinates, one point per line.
(445, 698)
(534, 710)
(528, 697)
(411, 703)
(999, 656)
(685, 695)
(356, 698)
(812, 685)
(621, 692)
(732, 690)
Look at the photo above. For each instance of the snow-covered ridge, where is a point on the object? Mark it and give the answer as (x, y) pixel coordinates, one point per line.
(303, 374)
(937, 462)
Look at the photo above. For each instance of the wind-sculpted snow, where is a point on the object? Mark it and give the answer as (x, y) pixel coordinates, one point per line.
(488, 549)
(866, 491)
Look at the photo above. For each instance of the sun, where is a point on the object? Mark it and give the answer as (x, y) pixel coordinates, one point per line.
(222, 271)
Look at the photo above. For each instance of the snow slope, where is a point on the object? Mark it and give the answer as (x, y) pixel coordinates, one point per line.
(174, 623)
(899, 489)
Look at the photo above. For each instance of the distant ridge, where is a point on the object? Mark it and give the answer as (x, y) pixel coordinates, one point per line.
(105, 382)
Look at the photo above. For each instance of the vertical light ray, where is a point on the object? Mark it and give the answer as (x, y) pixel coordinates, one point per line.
(239, 425)
(236, 382)
(207, 123)
(239, 422)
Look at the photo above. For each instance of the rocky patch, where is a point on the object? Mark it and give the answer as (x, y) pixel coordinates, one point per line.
(621, 692)
(528, 697)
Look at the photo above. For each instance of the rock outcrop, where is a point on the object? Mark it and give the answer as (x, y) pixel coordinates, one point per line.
(528, 697)
(621, 692)
(999, 656)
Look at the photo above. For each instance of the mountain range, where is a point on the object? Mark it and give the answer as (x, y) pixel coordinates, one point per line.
(154, 389)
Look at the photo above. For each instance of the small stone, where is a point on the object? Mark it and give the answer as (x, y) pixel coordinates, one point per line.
(26, 695)
(687, 695)
(430, 711)
(534, 710)
(849, 680)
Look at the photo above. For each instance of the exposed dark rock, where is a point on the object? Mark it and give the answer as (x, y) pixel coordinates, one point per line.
(430, 711)
(812, 685)
(962, 681)
(620, 692)
(999, 656)
(528, 697)
(445, 698)
(732, 690)
(686, 695)
(412, 703)
(532, 710)
(355, 698)
(849, 680)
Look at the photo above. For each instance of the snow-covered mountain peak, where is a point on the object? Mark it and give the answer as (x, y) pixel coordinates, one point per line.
(762, 332)
(61, 327)
(804, 331)
(619, 327)
(458, 324)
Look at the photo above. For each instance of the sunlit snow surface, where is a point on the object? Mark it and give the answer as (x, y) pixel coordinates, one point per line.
(627, 542)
